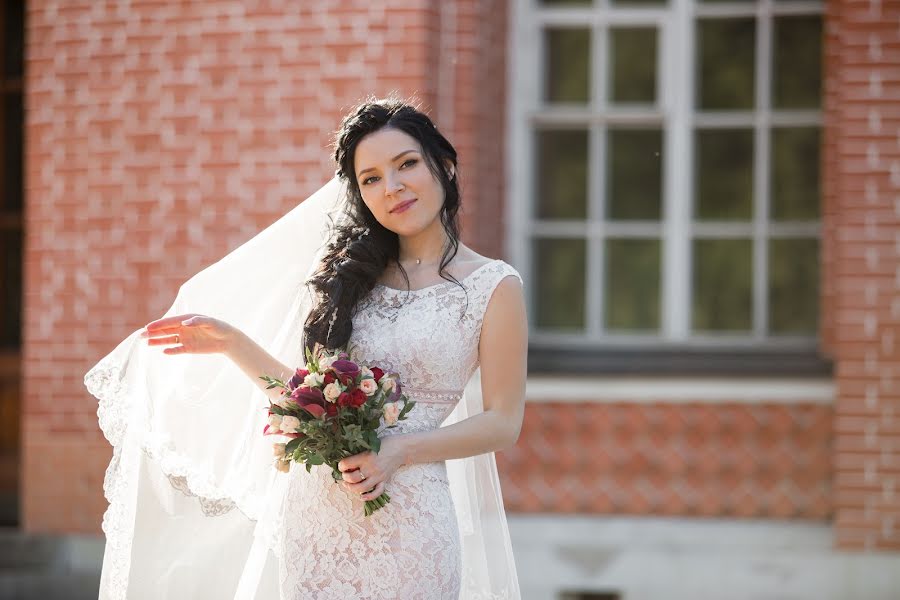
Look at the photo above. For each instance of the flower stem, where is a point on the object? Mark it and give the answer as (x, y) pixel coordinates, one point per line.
(380, 502)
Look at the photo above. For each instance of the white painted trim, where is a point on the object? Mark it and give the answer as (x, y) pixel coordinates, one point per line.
(678, 390)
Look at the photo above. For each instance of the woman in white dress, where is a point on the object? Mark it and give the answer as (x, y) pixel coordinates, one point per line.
(395, 282)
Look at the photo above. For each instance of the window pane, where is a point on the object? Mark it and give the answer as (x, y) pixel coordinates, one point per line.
(11, 291)
(725, 50)
(723, 285)
(723, 188)
(795, 173)
(797, 62)
(567, 61)
(633, 58)
(632, 284)
(793, 285)
(14, 38)
(634, 174)
(562, 174)
(560, 282)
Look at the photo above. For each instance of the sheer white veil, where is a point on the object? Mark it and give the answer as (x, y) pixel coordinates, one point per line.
(194, 501)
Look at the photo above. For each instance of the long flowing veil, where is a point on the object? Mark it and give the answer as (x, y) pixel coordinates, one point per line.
(194, 501)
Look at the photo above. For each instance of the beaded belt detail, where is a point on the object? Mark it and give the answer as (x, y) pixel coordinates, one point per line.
(432, 396)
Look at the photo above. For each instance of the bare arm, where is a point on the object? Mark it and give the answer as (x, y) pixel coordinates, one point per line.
(199, 334)
(503, 351)
(255, 362)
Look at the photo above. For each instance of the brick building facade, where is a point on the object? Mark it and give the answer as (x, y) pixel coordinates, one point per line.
(161, 135)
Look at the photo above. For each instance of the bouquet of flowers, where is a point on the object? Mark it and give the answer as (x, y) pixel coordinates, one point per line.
(332, 409)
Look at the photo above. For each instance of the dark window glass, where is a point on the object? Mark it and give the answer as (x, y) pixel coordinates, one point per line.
(634, 174)
(562, 173)
(559, 276)
(725, 51)
(567, 65)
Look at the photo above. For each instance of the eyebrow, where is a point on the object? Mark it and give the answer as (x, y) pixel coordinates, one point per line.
(392, 160)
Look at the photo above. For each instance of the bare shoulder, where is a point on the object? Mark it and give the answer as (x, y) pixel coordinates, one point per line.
(467, 260)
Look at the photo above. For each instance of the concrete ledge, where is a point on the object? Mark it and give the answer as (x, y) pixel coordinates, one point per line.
(692, 559)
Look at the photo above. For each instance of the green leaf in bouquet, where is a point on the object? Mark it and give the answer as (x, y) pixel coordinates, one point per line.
(408, 406)
(293, 445)
(353, 434)
(374, 441)
(308, 468)
(312, 361)
(315, 459)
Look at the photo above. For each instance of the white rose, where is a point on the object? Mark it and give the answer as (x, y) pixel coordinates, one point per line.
(366, 371)
(368, 386)
(290, 424)
(275, 421)
(332, 391)
(314, 380)
(387, 384)
(278, 449)
(325, 361)
(391, 412)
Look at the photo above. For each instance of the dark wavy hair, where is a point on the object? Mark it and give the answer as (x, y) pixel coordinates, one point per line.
(360, 248)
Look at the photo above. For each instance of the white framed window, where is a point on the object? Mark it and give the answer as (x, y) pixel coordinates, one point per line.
(664, 172)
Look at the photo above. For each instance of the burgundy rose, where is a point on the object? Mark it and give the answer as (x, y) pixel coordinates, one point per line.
(331, 409)
(357, 398)
(378, 373)
(344, 399)
(329, 378)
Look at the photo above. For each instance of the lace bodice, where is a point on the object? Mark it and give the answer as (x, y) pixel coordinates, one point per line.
(430, 336)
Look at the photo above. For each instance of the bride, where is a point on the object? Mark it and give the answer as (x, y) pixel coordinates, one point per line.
(373, 259)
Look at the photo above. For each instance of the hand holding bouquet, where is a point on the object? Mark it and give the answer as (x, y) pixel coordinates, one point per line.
(332, 409)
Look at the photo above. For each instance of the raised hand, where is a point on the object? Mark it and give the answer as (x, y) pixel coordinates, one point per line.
(190, 334)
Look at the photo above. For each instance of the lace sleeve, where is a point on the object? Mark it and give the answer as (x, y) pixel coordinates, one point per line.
(500, 271)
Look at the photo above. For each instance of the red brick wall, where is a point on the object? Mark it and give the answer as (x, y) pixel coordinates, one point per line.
(710, 460)
(162, 135)
(863, 164)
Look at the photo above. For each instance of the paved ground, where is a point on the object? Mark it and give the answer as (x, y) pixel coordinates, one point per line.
(49, 567)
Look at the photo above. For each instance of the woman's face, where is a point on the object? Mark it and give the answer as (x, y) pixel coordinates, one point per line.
(391, 171)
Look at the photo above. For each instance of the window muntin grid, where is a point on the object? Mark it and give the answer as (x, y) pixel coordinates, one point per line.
(735, 178)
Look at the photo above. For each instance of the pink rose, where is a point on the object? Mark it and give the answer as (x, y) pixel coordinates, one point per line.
(369, 386)
(391, 413)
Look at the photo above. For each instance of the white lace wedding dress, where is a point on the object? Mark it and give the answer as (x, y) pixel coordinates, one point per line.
(410, 549)
(196, 509)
